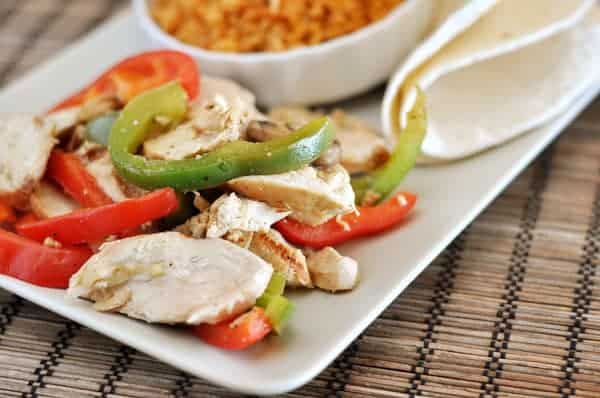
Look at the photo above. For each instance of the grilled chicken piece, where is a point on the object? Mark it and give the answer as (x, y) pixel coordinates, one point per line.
(220, 115)
(98, 163)
(293, 117)
(283, 257)
(169, 278)
(27, 141)
(362, 149)
(106, 176)
(331, 271)
(195, 227)
(64, 120)
(314, 196)
(230, 212)
(97, 106)
(231, 91)
(48, 201)
(240, 238)
(200, 202)
(246, 223)
(266, 243)
(88, 151)
(214, 123)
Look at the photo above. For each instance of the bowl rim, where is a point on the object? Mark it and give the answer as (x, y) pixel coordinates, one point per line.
(148, 23)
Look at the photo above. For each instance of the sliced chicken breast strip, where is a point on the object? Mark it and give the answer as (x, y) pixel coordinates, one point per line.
(230, 212)
(169, 278)
(27, 141)
(212, 86)
(313, 196)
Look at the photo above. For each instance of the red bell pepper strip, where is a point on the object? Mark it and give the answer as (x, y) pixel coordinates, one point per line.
(238, 334)
(369, 221)
(95, 224)
(139, 73)
(68, 171)
(37, 264)
(7, 214)
(27, 218)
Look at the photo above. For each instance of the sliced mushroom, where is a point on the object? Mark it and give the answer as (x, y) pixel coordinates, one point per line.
(331, 271)
(169, 278)
(331, 157)
(265, 130)
(27, 141)
(314, 196)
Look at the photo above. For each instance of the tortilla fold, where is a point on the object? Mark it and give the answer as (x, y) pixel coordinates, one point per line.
(516, 66)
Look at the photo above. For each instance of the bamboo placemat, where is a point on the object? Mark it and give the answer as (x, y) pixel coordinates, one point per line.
(510, 309)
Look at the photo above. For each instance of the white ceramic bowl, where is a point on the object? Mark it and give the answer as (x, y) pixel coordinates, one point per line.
(331, 71)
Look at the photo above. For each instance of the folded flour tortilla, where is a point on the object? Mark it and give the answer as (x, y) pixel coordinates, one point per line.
(494, 69)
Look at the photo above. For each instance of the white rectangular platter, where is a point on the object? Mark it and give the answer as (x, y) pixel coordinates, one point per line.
(450, 196)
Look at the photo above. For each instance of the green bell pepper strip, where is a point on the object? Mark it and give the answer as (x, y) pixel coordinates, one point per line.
(98, 129)
(373, 187)
(231, 160)
(276, 285)
(277, 308)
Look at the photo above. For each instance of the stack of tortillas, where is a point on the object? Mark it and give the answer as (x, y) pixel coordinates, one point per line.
(494, 69)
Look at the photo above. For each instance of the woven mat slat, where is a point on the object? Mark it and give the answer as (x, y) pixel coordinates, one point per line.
(510, 309)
